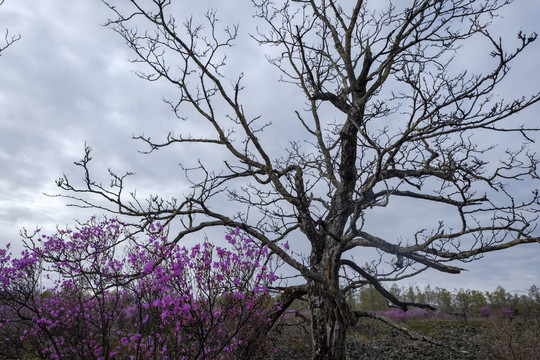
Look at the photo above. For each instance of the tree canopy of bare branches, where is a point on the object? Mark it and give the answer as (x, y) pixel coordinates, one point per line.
(389, 114)
(8, 40)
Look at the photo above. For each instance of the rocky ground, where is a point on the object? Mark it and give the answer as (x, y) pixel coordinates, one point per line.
(457, 344)
(477, 340)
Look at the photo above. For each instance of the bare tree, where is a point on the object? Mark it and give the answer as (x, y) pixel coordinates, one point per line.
(388, 114)
(8, 40)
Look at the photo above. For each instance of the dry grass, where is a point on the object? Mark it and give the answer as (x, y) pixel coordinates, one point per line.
(514, 339)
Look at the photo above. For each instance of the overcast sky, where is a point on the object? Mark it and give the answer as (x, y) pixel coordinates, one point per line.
(68, 81)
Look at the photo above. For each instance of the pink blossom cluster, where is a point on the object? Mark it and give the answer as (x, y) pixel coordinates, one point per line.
(117, 299)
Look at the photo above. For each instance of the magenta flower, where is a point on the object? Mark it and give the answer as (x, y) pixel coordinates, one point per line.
(101, 295)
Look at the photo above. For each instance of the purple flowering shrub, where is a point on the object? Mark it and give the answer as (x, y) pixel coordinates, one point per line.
(485, 311)
(150, 300)
(400, 315)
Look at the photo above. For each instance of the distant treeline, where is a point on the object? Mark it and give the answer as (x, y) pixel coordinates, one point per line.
(452, 302)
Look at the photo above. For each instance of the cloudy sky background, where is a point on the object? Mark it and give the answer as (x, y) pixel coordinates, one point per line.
(68, 81)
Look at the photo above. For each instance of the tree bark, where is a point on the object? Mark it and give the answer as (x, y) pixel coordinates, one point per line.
(328, 324)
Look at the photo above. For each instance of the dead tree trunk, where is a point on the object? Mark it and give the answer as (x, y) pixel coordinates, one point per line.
(330, 316)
